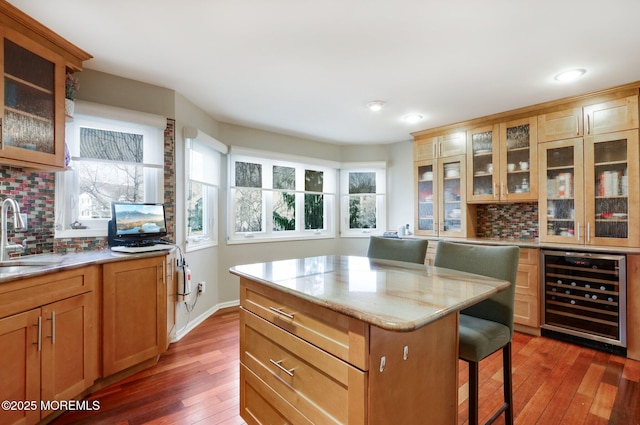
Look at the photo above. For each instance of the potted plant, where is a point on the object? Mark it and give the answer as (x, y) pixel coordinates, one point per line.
(71, 85)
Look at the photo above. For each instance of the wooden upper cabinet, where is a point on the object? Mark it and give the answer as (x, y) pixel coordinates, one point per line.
(34, 63)
(600, 118)
(560, 125)
(518, 165)
(449, 144)
(607, 117)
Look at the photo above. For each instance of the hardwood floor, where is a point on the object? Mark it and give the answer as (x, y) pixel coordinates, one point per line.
(196, 382)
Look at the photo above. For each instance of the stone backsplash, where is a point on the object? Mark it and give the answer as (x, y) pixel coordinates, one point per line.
(507, 221)
(35, 193)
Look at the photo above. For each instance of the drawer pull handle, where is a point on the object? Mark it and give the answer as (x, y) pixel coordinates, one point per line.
(279, 311)
(282, 368)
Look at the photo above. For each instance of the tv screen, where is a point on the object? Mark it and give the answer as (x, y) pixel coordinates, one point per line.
(138, 221)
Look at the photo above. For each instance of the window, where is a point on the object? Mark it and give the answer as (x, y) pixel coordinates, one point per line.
(202, 183)
(111, 160)
(280, 198)
(363, 199)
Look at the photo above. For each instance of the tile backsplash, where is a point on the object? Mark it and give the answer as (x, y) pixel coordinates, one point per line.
(35, 191)
(506, 221)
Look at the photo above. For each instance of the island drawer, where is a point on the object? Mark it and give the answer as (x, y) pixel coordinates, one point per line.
(343, 336)
(322, 387)
(260, 405)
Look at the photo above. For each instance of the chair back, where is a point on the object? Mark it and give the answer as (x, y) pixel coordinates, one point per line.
(408, 250)
(500, 262)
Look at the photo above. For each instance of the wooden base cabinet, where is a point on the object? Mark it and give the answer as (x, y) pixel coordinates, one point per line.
(527, 297)
(305, 364)
(134, 312)
(49, 353)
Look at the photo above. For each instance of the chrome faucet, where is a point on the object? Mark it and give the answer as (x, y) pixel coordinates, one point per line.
(18, 223)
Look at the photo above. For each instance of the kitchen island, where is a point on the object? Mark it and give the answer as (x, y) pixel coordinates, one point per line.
(352, 340)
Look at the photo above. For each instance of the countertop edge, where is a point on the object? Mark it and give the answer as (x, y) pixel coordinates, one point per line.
(372, 319)
(71, 261)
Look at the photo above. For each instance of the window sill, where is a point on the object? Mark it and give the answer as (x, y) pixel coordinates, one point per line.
(80, 233)
(191, 246)
(238, 241)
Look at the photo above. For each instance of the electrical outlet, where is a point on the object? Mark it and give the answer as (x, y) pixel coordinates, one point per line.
(201, 286)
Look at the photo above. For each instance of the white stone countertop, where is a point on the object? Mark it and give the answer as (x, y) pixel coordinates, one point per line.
(391, 295)
(34, 265)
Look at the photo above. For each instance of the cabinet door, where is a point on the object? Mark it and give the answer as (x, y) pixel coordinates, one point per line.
(134, 313)
(452, 144)
(519, 160)
(616, 115)
(560, 125)
(33, 108)
(451, 200)
(69, 348)
(561, 205)
(20, 365)
(612, 193)
(424, 149)
(172, 290)
(483, 155)
(426, 196)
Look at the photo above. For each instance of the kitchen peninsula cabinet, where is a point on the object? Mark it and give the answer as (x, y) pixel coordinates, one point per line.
(589, 197)
(134, 321)
(604, 117)
(377, 344)
(502, 162)
(34, 62)
(48, 335)
(441, 208)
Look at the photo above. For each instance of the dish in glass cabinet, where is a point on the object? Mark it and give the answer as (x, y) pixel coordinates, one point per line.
(483, 151)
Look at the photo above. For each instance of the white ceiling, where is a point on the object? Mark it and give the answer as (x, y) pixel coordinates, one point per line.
(307, 68)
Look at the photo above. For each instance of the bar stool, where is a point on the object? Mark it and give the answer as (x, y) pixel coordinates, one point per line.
(487, 326)
(409, 250)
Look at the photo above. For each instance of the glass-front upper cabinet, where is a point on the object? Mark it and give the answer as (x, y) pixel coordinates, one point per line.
(612, 193)
(33, 108)
(519, 160)
(590, 196)
(561, 206)
(483, 154)
(441, 208)
(426, 214)
(452, 208)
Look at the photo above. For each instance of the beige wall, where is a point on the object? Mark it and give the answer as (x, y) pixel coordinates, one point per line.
(212, 264)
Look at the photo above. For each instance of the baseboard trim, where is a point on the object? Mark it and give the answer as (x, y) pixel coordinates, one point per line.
(192, 324)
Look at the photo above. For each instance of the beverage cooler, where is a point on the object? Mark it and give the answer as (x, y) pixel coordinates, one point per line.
(584, 298)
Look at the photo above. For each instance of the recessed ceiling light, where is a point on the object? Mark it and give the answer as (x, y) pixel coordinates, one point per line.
(570, 75)
(375, 105)
(412, 118)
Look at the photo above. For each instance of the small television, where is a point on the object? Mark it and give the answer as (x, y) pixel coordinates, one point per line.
(137, 224)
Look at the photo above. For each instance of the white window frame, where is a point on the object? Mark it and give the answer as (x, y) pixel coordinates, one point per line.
(380, 169)
(203, 156)
(112, 119)
(268, 160)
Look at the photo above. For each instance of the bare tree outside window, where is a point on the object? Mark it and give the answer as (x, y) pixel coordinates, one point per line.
(248, 197)
(110, 169)
(362, 200)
